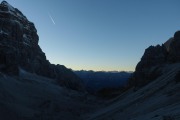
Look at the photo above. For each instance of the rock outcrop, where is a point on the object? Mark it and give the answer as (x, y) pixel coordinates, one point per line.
(154, 57)
(19, 49)
(174, 49)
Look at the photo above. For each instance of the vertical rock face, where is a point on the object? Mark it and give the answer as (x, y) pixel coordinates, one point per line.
(155, 56)
(174, 49)
(19, 49)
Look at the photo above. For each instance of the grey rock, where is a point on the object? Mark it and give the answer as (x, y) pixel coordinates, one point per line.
(19, 49)
(155, 57)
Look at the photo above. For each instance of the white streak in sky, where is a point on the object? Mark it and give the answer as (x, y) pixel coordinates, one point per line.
(51, 18)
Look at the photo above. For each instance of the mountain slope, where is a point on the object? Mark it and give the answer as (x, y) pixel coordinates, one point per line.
(19, 49)
(31, 88)
(33, 97)
(155, 56)
(154, 89)
(155, 101)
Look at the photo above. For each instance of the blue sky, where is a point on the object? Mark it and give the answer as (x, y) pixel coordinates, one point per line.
(100, 34)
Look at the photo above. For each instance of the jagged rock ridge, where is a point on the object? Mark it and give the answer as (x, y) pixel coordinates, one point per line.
(154, 57)
(19, 49)
(154, 90)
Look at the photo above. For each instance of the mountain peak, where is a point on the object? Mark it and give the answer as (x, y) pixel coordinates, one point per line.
(4, 2)
(154, 57)
(5, 7)
(177, 35)
(19, 49)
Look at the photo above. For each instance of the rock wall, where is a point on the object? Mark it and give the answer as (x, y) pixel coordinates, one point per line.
(154, 57)
(19, 49)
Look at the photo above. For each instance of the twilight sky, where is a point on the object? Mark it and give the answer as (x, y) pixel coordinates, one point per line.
(100, 34)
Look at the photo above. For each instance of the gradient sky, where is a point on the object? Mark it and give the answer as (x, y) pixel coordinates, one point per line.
(100, 34)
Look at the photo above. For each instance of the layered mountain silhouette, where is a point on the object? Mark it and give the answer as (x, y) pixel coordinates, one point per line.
(19, 49)
(31, 88)
(153, 92)
(95, 81)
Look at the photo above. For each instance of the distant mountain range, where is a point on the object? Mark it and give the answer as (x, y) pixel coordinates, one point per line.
(95, 81)
(153, 91)
(31, 88)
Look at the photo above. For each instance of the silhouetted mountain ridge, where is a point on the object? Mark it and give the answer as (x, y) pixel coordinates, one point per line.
(19, 49)
(153, 92)
(95, 81)
(155, 57)
(29, 89)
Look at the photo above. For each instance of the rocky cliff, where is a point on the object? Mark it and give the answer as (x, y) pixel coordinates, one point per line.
(154, 91)
(155, 57)
(19, 49)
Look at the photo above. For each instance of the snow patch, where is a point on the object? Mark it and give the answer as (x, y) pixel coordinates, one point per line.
(26, 40)
(26, 44)
(3, 33)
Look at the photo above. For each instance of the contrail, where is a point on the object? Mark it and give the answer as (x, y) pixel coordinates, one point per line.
(51, 18)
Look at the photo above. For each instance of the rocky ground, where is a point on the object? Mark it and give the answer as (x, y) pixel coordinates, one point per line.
(31, 88)
(33, 97)
(159, 100)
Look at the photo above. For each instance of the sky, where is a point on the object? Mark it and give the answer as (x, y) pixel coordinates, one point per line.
(108, 35)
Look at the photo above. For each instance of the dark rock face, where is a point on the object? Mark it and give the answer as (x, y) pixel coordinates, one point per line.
(19, 49)
(174, 49)
(177, 77)
(177, 35)
(155, 56)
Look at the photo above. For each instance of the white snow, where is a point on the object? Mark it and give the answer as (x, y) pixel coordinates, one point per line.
(26, 40)
(2, 32)
(25, 43)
